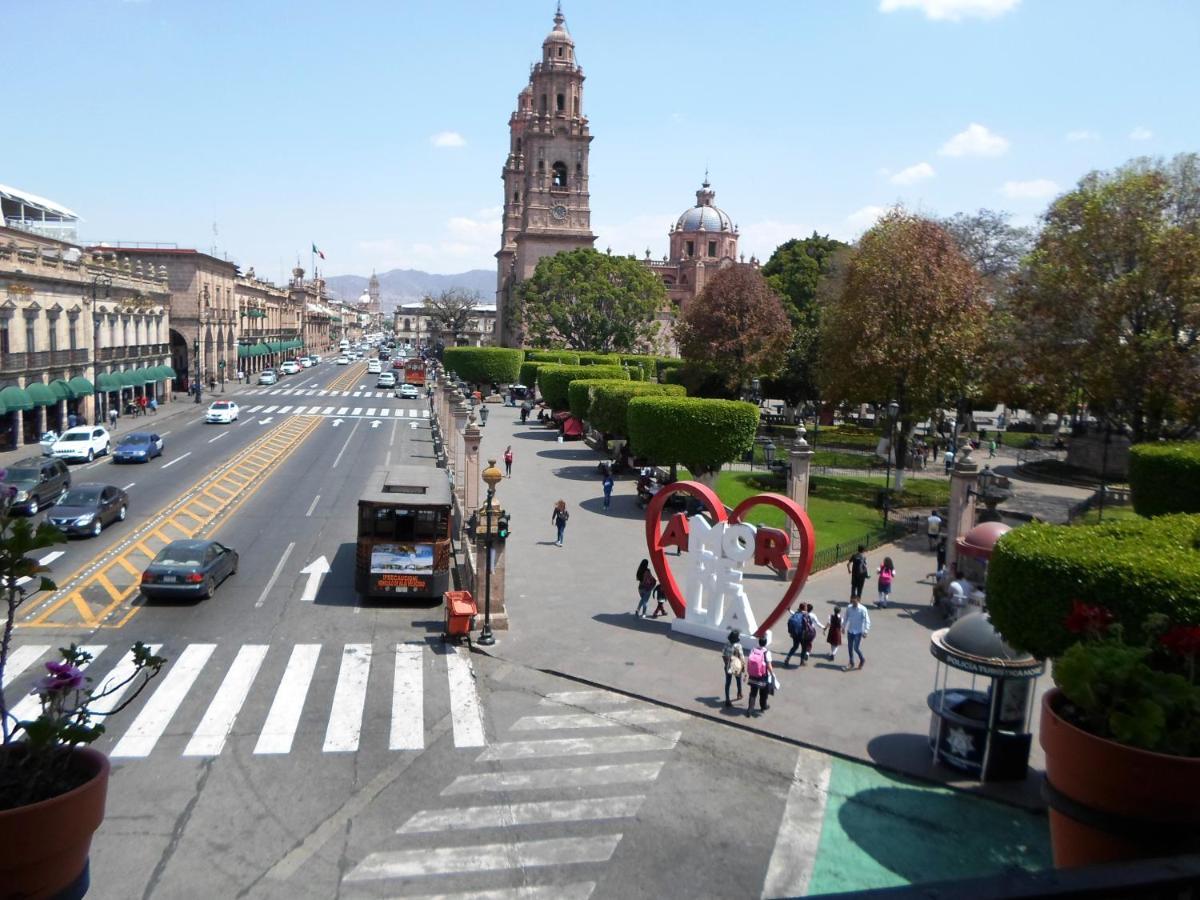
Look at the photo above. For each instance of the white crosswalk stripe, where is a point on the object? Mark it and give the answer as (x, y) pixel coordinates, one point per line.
(31, 706)
(465, 715)
(218, 721)
(280, 728)
(20, 659)
(156, 715)
(486, 857)
(349, 699)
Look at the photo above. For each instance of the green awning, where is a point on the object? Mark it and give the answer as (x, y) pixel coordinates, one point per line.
(62, 390)
(168, 372)
(130, 377)
(40, 394)
(243, 351)
(256, 313)
(261, 350)
(154, 373)
(15, 398)
(81, 386)
(148, 375)
(108, 381)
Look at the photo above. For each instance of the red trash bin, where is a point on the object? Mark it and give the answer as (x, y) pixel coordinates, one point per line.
(460, 615)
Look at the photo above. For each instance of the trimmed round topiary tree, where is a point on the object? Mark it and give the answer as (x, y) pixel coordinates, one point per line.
(610, 402)
(695, 432)
(560, 357)
(589, 358)
(484, 365)
(1165, 478)
(529, 370)
(1133, 567)
(554, 381)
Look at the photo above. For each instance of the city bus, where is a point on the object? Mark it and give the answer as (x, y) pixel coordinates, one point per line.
(414, 371)
(403, 547)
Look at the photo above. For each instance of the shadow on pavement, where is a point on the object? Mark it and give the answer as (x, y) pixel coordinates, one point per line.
(578, 473)
(622, 508)
(573, 454)
(904, 752)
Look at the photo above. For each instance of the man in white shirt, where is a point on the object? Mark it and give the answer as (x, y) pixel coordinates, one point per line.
(933, 527)
(857, 622)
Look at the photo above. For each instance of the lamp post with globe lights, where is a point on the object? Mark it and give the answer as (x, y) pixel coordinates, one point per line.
(491, 477)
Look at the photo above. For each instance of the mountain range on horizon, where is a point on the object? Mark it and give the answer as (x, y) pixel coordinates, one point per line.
(408, 285)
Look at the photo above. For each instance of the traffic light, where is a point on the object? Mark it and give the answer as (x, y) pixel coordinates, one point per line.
(502, 526)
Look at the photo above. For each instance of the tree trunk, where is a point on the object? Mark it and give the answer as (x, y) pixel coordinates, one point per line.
(899, 453)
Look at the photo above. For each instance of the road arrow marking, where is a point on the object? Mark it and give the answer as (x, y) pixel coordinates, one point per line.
(337, 422)
(375, 423)
(267, 421)
(315, 570)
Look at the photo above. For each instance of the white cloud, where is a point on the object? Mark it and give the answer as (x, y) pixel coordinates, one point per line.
(975, 140)
(1036, 189)
(952, 10)
(462, 242)
(913, 174)
(448, 139)
(636, 235)
(862, 219)
(1141, 133)
(1083, 134)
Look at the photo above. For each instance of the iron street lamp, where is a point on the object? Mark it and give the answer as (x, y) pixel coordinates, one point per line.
(893, 408)
(769, 453)
(196, 375)
(491, 476)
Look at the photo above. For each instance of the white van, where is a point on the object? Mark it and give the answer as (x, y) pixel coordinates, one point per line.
(344, 346)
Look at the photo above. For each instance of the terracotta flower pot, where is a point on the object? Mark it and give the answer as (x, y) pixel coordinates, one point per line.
(1109, 802)
(44, 846)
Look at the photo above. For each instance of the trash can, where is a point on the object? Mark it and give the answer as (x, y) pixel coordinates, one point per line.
(460, 615)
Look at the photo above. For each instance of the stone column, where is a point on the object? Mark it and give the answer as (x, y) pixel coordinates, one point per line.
(799, 475)
(455, 450)
(499, 610)
(964, 482)
(471, 471)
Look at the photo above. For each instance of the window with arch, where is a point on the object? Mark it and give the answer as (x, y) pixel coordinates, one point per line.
(712, 248)
(560, 102)
(517, 197)
(408, 325)
(560, 51)
(543, 102)
(560, 174)
(690, 249)
(541, 165)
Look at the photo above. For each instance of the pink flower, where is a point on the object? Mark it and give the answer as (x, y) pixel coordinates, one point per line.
(1085, 619)
(1183, 639)
(63, 677)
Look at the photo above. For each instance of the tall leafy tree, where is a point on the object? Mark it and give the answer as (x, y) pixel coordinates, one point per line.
(1109, 305)
(736, 327)
(452, 310)
(907, 324)
(585, 300)
(991, 242)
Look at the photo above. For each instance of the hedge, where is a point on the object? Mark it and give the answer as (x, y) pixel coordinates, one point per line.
(666, 364)
(579, 396)
(648, 365)
(529, 370)
(610, 402)
(484, 365)
(554, 381)
(561, 357)
(1133, 568)
(672, 375)
(699, 433)
(599, 359)
(1165, 478)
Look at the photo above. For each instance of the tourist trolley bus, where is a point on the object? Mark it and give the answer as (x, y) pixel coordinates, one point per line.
(414, 371)
(404, 533)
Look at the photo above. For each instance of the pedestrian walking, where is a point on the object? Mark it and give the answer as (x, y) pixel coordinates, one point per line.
(808, 634)
(646, 583)
(941, 555)
(608, 489)
(483, 414)
(660, 607)
(559, 518)
(525, 410)
(933, 528)
(72, 420)
(949, 459)
(112, 417)
(857, 623)
(508, 461)
(761, 675)
(992, 448)
(734, 662)
(833, 633)
(887, 574)
(857, 566)
(154, 406)
(795, 626)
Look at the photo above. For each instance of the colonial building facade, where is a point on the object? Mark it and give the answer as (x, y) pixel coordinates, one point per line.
(546, 199)
(414, 327)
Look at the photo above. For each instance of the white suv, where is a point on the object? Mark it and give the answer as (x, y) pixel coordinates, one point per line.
(291, 367)
(82, 442)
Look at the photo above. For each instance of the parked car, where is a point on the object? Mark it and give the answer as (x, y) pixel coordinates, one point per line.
(408, 392)
(305, 362)
(47, 442)
(138, 446)
(343, 360)
(386, 380)
(87, 508)
(82, 442)
(38, 483)
(222, 412)
(316, 358)
(291, 367)
(267, 376)
(188, 569)
(374, 367)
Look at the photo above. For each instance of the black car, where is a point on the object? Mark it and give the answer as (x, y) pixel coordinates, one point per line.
(87, 508)
(188, 569)
(138, 446)
(38, 481)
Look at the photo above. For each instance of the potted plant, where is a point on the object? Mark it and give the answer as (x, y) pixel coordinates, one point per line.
(52, 784)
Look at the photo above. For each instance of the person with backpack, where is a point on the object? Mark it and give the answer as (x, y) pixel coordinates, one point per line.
(858, 569)
(808, 633)
(607, 485)
(833, 632)
(559, 518)
(760, 673)
(795, 629)
(646, 585)
(887, 574)
(734, 661)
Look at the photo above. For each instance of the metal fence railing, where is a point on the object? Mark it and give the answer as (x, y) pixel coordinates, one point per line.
(827, 557)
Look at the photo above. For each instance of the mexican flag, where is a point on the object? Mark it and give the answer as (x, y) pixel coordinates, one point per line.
(318, 252)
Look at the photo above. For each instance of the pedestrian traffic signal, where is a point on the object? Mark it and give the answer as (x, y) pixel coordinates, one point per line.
(502, 527)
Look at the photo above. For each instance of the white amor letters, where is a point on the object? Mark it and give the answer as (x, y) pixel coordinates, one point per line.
(714, 594)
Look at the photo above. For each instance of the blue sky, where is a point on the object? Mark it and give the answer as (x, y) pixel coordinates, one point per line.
(291, 121)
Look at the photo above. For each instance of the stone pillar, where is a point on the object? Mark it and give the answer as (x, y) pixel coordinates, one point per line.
(964, 482)
(799, 474)
(471, 471)
(454, 450)
(499, 610)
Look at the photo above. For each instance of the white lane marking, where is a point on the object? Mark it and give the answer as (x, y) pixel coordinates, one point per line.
(579, 890)
(485, 857)
(276, 391)
(31, 706)
(118, 676)
(625, 743)
(371, 411)
(284, 409)
(315, 570)
(357, 394)
(128, 486)
(356, 410)
(338, 458)
(55, 554)
(408, 711)
(218, 437)
(322, 393)
(313, 506)
(611, 719)
(465, 714)
(583, 699)
(799, 833)
(274, 576)
(343, 410)
(284, 716)
(544, 779)
(270, 409)
(424, 414)
(508, 814)
(156, 715)
(385, 412)
(209, 737)
(175, 460)
(254, 409)
(349, 699)
(327, 410)
(163, 433)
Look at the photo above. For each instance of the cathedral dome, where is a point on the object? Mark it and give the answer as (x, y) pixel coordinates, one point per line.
(704, 216)
(559, 34)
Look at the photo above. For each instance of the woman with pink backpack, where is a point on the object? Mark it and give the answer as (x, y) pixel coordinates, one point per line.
(887, 574)
(761, 675)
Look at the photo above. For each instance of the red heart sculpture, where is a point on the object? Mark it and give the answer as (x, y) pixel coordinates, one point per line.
(716, 510)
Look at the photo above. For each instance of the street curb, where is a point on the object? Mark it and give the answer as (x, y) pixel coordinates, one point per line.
(795, 742)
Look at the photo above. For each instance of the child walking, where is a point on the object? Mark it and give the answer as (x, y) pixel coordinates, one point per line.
(559, 518)
(887, 574)
(833, 633)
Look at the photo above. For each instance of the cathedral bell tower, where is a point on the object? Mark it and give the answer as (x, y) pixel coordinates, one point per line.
(545, 176)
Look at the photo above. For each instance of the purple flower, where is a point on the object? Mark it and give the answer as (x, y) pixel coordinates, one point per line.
(63, 677)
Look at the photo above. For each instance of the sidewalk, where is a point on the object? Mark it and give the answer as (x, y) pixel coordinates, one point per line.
(571, 609)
